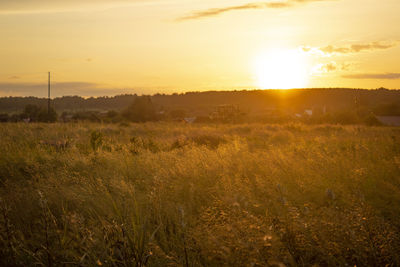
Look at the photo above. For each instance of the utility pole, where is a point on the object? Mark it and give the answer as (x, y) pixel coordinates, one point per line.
(48, 98)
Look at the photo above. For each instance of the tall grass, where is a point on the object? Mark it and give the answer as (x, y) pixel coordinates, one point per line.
(162, 194)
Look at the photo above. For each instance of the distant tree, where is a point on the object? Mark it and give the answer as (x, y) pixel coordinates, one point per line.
(65, 116)
(391, 109)
(371, 120)
(112, 114)
(346, 117)
(31, 112)
(39, 114)
(4, 117)
(91, 116)
(48, 116)
(177, 114)
(14, 118)
(141, 110)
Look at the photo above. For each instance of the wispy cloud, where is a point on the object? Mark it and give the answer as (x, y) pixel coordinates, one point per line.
(348, 49)
(355, 48)
(325, 68)
(58, 89)
(374, 76)
(331, 67)
(254, 5)
(15, 7)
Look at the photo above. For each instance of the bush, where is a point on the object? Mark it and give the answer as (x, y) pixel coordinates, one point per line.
(371, 120)
(346, 117)
(39, 114)
(96, 140)
(4, 117)
(141, 110)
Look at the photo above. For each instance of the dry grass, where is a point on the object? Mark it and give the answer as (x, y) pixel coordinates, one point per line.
(199, 195)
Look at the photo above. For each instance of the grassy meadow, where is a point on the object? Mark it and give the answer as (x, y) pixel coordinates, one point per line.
(163, 194)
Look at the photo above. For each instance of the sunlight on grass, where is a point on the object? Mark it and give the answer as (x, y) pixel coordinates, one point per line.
(160, 194)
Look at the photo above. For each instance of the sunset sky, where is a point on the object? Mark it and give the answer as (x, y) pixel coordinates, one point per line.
(104, 47)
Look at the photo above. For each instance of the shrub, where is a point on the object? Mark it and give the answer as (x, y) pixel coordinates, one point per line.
(39, 114)
(141, 110)
(96, 140)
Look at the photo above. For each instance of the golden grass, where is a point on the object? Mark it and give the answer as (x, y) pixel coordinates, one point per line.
(162, 194)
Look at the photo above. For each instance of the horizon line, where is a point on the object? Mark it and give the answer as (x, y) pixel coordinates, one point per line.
(207, 91)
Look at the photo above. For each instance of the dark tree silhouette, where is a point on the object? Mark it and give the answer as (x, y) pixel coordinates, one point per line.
(141, 110)
(39, 114)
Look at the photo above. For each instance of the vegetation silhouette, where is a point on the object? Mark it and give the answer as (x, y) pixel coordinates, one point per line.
(34, 113)
(141, 110)
(333, 99)
(316, 106)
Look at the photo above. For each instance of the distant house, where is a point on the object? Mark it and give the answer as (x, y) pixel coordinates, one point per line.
(389, 120)
(308, 112)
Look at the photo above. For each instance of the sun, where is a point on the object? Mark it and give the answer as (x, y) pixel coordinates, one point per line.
(281, 69)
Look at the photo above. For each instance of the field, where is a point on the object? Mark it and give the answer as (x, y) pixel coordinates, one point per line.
(163, 194)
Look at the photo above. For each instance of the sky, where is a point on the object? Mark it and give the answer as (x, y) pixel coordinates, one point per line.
(104, 47)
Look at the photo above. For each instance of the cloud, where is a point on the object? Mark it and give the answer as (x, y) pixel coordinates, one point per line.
(376, 76)
(256, 5)
(324, 68)
(331, 67)
(347, 66)
(14, 77)
(58, 89)
(49, 6)
(354, 48)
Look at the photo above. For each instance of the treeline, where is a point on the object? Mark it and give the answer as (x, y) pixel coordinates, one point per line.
(343, 106)
(203, 102)
(67, 103)
(31, 113)
(142, 109)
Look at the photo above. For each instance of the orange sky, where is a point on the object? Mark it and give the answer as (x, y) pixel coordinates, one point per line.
(102, 47)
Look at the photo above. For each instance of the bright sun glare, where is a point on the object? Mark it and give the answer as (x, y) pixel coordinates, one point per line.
(281, 69)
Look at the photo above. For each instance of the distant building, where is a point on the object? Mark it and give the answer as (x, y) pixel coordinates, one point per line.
(389, 120)
(298, 115)
(308, 112)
